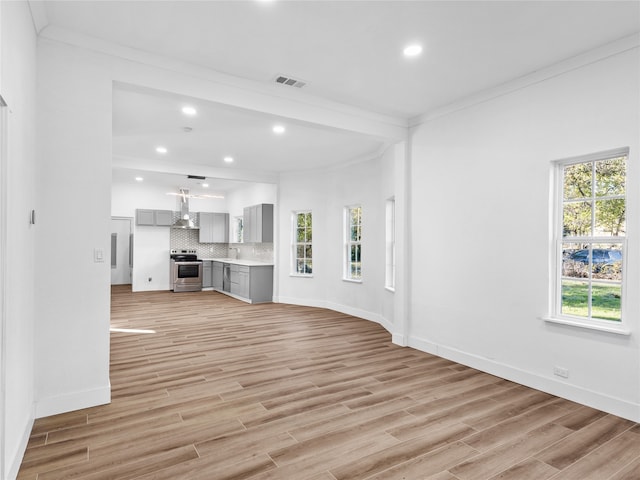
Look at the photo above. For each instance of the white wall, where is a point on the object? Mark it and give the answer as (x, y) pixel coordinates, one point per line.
(480, 219)
(17, 87)
(326, 194)
(73, 181)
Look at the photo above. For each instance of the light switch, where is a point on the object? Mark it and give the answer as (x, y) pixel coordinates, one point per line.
(98, 255)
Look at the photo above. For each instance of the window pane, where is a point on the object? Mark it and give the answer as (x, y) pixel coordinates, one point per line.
(576, 219)
(308, 266)
(610, 217)
(606, 302)
(307, 252)
(577, 181)
(610, 177)
(575, 298)
(301, 219)
(355, 253)
(575, 260)
(607, 262)
(300, 251)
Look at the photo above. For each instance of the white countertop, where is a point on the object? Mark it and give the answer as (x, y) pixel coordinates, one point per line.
(239, 261)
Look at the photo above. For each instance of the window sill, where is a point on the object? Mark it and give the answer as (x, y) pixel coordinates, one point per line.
(617, 329)
(351, 280)
(300, 275)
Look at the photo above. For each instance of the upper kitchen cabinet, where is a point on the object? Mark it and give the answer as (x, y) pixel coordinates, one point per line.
(154, 218)
(214, 227)
(258, 223)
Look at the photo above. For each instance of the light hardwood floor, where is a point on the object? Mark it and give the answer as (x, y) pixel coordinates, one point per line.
(211, 388)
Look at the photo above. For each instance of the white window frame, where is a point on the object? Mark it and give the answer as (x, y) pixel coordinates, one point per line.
(390, 244)
(295, 244)
(349, 243)
(556, 315)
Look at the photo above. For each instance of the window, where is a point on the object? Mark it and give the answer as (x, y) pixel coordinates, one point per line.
(390, 244)
(353, 243)
(302, 243)
(238, 224)
(590, 237)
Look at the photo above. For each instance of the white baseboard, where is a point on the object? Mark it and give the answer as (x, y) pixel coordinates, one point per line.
(337, 307)
(73, 401)
(598, 400)
(13, 465)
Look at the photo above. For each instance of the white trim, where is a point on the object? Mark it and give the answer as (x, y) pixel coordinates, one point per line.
(16, 462)
(618, 329)
(347, 310)
(38, 15)
(614, 48)
(560, 388)
(557, 203)
(346, 248)
(594, 157)
(73, 401)
(293, 252)
(4, 183)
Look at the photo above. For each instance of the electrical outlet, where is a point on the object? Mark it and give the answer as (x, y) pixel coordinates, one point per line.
(561, 372)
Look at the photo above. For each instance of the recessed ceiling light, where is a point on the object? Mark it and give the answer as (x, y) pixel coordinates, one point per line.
(188, 110)
(228, 159)
(161, 149)
(139, 179)
(279, 129)
(412, 50)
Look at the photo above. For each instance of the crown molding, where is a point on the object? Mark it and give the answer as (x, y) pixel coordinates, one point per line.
(38, 15)
(592, 56)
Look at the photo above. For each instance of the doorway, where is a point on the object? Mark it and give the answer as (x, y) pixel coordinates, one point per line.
(121, 250)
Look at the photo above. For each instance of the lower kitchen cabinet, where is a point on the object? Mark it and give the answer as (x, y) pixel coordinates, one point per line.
(253, 284)
(207, 274)
(216, 275)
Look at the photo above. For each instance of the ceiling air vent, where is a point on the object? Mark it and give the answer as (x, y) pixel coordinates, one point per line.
(292, 82)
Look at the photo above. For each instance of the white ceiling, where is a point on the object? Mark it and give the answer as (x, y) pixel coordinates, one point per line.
(346, 51)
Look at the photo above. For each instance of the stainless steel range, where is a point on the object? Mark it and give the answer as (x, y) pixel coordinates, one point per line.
(186, 271)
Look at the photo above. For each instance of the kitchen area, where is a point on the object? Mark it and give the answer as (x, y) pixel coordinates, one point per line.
(185, 240)
(198, 247)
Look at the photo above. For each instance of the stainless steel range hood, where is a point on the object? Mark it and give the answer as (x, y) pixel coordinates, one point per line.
(183, 207)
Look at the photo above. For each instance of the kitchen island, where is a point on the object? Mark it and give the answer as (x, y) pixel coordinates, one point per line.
(248, 280)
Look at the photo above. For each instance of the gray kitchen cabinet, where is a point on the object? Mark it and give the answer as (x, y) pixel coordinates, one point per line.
(261, 284)
(163, 218)
(258, 223)
(207, 274)
(253, 284)
(216, 275)
(214, 227)
(154, 218)
(145, 217)
(234, 275)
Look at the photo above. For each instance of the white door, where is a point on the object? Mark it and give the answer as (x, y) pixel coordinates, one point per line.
(121, 250)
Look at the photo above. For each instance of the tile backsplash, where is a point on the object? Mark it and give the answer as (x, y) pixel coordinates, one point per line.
(188, 239)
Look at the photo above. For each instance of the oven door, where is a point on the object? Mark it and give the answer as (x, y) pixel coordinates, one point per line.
(187, 276)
